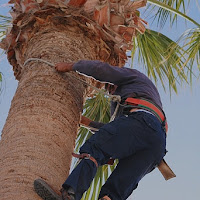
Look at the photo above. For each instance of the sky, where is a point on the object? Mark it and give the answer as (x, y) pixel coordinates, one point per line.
(183, 138)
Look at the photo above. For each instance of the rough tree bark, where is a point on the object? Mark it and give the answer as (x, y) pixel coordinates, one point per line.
(40, 131)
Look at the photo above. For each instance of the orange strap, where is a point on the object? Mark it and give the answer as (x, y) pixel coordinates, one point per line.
(145, 104)
(85, 156)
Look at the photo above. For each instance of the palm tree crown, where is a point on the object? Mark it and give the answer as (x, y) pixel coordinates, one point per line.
(115, 23)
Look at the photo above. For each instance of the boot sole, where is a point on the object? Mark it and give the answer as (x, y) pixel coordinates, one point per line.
(45, 191)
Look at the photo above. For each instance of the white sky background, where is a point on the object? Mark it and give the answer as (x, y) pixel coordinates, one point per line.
(183, 139)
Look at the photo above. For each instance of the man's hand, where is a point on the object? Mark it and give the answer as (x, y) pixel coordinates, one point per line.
(85, 121)
(64, 67)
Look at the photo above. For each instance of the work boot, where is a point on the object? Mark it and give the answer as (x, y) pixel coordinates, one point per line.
(45, 191)
(68, 194)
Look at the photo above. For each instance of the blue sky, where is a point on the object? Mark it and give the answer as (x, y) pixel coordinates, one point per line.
(183, 139)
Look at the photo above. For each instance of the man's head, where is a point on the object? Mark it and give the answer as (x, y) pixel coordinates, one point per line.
(110, 88)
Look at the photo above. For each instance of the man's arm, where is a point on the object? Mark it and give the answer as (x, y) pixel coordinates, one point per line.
(89, 123)
(99, 70)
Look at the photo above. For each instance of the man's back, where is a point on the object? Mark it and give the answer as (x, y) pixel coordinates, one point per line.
(130, 82)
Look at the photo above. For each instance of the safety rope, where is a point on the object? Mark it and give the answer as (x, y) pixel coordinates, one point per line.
(114, 98)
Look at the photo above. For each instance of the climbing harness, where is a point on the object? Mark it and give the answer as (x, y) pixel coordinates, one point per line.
(88, 156)
(114, 98)
(85, 156)
(147, 105)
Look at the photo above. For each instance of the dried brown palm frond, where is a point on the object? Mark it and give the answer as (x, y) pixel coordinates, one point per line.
(112, 23)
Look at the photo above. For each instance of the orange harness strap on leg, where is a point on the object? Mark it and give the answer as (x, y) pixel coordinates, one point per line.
(85, 156)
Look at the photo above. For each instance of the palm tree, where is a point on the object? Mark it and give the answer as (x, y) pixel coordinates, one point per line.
(39, 135)
(40, 131)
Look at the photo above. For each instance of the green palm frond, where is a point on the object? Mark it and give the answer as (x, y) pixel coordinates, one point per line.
(191, 39)
(169, 9)
(97, 109)
(5, 23)
(163, 14)
(161, 58)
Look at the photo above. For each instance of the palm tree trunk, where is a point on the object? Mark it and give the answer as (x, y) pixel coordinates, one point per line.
(40, 131)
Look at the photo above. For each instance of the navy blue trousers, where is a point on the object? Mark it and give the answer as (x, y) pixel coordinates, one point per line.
(137, 140)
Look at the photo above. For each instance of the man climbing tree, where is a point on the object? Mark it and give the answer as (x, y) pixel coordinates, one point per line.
(40, 131)
(137, 136)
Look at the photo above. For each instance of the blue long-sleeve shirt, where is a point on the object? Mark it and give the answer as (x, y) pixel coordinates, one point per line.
(130, 82)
